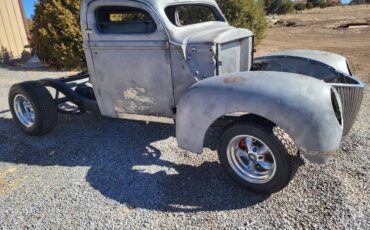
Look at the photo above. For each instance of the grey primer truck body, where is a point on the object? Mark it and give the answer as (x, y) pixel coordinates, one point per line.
(147, 61)
(202, 72)
(180, 62)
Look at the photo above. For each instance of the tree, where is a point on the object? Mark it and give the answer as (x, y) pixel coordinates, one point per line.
(315, 3)
(279, 6)
(56, 33)
(299, 6)
(248, 14)
(309, 5)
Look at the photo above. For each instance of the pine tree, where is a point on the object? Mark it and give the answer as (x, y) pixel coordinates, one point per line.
(56, 33)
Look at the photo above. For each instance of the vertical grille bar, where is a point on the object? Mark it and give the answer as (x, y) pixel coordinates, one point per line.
(351, 95)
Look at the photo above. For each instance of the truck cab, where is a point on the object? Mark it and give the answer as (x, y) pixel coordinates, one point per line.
(161, 48)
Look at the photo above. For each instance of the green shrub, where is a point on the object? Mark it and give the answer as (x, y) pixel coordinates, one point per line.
(318, 3)
(56, 33)
(287, 7)
(246, 14)
(315, 3)
(279, 6)
(299, 6)
(309, 5)
(322, 4)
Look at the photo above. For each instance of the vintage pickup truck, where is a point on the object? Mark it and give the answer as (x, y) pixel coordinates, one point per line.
(180, 62)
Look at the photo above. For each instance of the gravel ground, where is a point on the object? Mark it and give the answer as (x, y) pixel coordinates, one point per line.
(94, 172)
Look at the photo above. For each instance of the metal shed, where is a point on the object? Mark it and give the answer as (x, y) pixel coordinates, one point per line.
(13, 30)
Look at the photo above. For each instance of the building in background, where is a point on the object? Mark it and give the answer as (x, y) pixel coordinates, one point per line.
(13, 30)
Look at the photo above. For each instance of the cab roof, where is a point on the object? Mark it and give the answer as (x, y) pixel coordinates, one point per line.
(214, 31)
(164, 3)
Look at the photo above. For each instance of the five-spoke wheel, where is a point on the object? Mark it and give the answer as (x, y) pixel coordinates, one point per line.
(251, 159)
(255, 157)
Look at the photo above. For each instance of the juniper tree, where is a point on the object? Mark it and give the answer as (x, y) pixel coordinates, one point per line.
(56, 33)
(248, 14)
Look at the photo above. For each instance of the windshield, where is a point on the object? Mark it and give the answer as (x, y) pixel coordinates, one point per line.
(188, 14)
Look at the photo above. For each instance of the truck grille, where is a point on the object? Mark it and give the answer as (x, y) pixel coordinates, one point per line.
(351, 94)
(235, 56)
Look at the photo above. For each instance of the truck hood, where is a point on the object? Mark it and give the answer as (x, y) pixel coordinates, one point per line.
(208, 33)
(218, 35)
(204, 44)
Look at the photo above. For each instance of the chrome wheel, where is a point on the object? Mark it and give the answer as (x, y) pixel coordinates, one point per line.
(24, 110)
(251, 159)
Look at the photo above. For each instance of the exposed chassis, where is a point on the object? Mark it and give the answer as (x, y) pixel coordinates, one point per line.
(66, 86)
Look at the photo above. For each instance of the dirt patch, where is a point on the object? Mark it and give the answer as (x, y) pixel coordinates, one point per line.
(8, 180)
(318, 34)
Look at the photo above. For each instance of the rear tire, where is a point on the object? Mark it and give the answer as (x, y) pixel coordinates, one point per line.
(33, 108)
(258, 156)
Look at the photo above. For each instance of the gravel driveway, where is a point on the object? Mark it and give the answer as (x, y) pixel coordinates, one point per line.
(93, 172)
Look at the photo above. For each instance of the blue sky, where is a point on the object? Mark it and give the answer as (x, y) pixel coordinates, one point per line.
(29, 6)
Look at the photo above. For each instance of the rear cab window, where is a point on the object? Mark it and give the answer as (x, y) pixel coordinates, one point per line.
(124, 20)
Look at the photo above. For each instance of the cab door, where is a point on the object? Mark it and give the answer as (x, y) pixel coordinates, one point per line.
(129, 52)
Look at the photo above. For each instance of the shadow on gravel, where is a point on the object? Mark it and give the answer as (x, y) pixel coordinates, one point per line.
(126, 166)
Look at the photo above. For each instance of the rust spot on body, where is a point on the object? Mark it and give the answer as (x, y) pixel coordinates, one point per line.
(135, 100)
(232, 80)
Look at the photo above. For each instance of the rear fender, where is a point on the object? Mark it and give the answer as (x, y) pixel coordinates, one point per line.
(299, 104)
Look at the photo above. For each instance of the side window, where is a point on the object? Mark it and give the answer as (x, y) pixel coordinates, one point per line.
(124, 20)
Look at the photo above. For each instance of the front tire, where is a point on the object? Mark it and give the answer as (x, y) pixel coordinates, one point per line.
(257, 156)
(33, 108)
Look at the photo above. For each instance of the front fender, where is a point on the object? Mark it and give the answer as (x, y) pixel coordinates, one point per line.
(299, 104)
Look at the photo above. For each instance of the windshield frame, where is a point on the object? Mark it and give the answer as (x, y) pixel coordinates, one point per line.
(219, 17)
